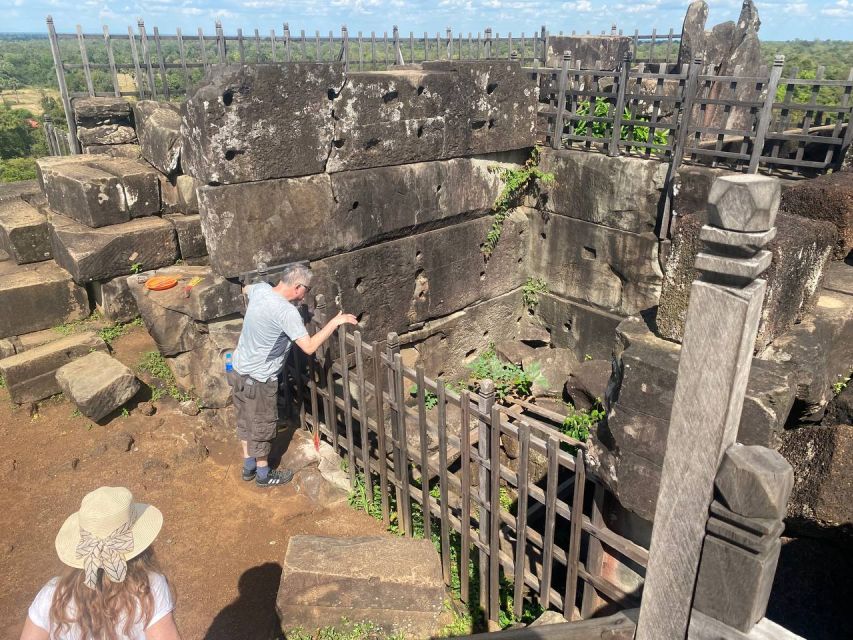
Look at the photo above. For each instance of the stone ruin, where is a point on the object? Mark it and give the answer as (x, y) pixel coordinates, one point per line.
(384, 182)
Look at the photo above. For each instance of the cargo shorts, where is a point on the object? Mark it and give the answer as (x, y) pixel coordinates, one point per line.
(256, 406)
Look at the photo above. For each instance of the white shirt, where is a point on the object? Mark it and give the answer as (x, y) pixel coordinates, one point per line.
(39, 612)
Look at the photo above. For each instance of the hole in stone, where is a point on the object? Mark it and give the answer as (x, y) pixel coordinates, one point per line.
(442, 339)
(420, 131)
(390, 97)
(418, 255)
(482, 275)
(338, 143)
(420, 90)
(371, 143)
(438, 188)
(588, 253)
(214, 183)
(478, 124)
(567, 326)
(355, 205)
(518, 261)
(518, 319)
(362, 318)
(359, 285)
(490, 88)
(332, 94)
(543, 235)
(469, 354)
(486, 333)
(491, 123)
(441, 373)
(232, 153)
(529, 311)
(228, 98)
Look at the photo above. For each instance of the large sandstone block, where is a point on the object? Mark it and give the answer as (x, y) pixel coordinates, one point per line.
(442, 110)
(822, 458)
(589, 50)
(96, 111)
(158, 125)
(397, 284)
(801, 253)
(325, 581)
(104, 253)
(99, 190)
(829, 198)
(278, 221)
(31, 375)
(583, 329)
(607, 268)
(24, 189)
(131, 151)
(24, 232)
(114, 300)
(97, 384)
(191, 242)
(256, 122)
(106, 134)
(38, 297)
(621, 192)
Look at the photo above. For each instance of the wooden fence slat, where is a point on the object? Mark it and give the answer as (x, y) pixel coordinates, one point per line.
(405, 505)
(182, 53)
(613, 147)
(576, 527)
(594, 555)
(342, 339)
(550, 519)
(382, 445)
(766, 114)
(220, 42)
(485, 401)
(146, 56)
(444, 507)
(313, 377)
(424, 453)
(360, 52)
(273, 46)
(392, 349)
(363, 421)
(84, 56)
(494, 513)
(296, 356)
(203, 46)
(73, 142)
(465, 517)
(108, 43)
(304, 45)
(562, 86)
(161, 63)
(241, 51)
(521, 518)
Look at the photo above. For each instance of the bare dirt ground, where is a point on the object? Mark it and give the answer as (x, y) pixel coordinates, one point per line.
(28, 98)
(223, 540)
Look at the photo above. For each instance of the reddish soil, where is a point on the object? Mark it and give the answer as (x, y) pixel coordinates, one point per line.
(223, 540)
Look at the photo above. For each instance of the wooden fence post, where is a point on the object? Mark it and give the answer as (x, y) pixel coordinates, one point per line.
(594, 555)
(182, 53)
(765, 116)
(146, 58)
(488, 43)
(108, 43)
(424, 451)
(444, 507)
(485, 401)
(494, 513)
(619, 107)
(364, 418)
(73, 142)
(405, 505)
(382, 445)
(140, 85)
(344, 57)
(520, 560)
(716, 354)
(220, 41)
(449, 44)
(562, 87)
(344, 361)
(398, 53)
(543, 40)
(84, 56)
(465, 513)
(161, 63)
(287, 54)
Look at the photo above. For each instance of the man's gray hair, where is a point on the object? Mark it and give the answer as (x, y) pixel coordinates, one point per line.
(297, 274)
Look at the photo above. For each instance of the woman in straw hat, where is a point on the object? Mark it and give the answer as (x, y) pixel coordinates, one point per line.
(114, 589)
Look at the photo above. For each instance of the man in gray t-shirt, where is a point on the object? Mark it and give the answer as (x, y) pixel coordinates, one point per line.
(272, 324)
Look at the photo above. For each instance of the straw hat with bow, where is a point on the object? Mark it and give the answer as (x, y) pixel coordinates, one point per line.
(109, 530)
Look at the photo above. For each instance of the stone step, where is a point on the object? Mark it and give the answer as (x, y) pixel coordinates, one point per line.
(99, 190)
(31, 376)
(24, 232)
(104, 253)
(97, 384)
(38, 296)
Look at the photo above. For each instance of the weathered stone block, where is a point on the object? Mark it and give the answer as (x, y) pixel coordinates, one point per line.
(191, 242)
(278, 221)
(38, 297)
(754, 482)
(99, 190)
(97, 384)
(256, 122)
(823, 478)
(443, 110)
(829, 198)
(23, 190)
(622, 192)
(158, 125)
(213, 297)
(733, 584)
(95, 111)
(131, 151)
(423, 276)
(608, 268)
(114, 300)
(327, 580)
(587, 385)
(31, 375)
(801, 254)
(104, 253)
(106, 134)
(584, 329)
(555, 365)
(187, 197)
(589, 50)
(24, 232)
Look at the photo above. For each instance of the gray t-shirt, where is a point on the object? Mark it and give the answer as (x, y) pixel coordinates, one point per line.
(271, 325)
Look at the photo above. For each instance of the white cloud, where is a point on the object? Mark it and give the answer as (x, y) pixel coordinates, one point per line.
(581, 6)
(841, 9)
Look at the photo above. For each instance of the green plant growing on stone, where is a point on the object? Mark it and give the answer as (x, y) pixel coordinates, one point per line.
(430, 399)
(530, 292)
(153, 363)
(125, 413)
(114, 331)
(517, 184)
(578, 423)
(510, 379)
(841, 384)
(136, 267)
(2, 382)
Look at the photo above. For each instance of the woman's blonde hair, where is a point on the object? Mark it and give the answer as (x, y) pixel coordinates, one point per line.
(95, 612)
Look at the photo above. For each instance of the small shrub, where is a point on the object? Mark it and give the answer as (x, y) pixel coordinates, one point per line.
(531, 290)
(154, 363)
(430, 399)
(841, 384)
(136, 267)
(578, 424)
(510, 379)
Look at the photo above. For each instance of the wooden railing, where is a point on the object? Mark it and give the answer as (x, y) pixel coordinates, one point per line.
(454, 462)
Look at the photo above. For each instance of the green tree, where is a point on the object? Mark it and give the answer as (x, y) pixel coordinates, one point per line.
(16, 133)
(17, 169)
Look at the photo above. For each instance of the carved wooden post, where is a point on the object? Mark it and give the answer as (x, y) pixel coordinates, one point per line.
(619, 107)
(485, 402)
(766, 114)
(719, 334)
(560, 116)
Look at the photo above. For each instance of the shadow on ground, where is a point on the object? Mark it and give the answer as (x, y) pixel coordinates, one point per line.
(252, 616)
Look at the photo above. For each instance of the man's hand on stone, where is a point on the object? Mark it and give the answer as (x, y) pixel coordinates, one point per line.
(344, 318)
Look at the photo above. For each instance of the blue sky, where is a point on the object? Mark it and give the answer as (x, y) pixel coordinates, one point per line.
(781, 19)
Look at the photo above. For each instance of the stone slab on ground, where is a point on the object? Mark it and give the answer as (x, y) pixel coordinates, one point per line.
(584, 329)
(158, 126)
(24, 232)
(39, 296)
(191, 243)
(104, 253)
(829, 198)
(114, 300)
(622, 192)
(213, 297)
(587, 385)
(31, 375)
(257, 122)
(97, 384)
(822, 458)
(801, 254)
(242, 222)
(99, 190)
(614, 270)
(442, 110)
(393, 582)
